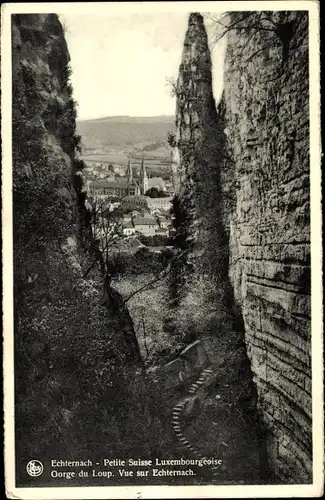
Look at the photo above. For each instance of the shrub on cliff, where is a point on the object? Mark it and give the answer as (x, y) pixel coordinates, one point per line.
(181, 242)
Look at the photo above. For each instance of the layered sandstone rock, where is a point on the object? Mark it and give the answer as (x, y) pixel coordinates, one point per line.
(199, 146)
(267, 120)
(208, 309)
(243, 175)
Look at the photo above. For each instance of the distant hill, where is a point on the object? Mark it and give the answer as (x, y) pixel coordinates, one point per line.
(133, 119)
(129, 133)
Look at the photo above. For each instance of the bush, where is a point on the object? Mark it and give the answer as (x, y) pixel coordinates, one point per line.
(156, 193)
(78, 376)
(155, 241)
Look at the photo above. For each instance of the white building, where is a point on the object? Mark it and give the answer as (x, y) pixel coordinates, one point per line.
(146, 226)
(128, 228)
(160, 203)
(156, 182)
(121, 187)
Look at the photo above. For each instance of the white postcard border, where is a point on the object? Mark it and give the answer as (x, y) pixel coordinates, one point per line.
(215, 491)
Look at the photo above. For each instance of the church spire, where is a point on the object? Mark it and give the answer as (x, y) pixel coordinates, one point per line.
(129, 172)
(143, 178)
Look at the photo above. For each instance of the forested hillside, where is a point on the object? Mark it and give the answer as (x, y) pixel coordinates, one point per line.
(119, 132)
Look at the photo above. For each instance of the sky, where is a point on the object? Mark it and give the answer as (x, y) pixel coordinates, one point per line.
(121, 63)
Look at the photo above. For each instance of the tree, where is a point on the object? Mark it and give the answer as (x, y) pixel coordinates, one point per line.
(158, 240)
(106, 222)
(182, 245)
(155, 192)
(171, 139)
(278, 31)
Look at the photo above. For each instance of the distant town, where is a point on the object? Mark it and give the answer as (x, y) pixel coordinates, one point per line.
(131, 209)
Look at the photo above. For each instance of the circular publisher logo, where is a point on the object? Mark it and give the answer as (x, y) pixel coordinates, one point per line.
(34, 468)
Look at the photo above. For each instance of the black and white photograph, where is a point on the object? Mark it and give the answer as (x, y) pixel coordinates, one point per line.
(162, 248)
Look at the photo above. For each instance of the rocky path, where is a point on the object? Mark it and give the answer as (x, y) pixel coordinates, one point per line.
(224, 425)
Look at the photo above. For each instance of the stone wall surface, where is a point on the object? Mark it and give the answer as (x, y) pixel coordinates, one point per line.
(242, 173)
(266, 111)
(207, 309)
(199, 146)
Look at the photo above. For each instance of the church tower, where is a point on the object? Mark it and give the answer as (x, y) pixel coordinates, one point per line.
(131, 185)
(143, 178)
(129, 173)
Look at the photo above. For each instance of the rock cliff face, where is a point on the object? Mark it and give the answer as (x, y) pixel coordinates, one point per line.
(200, 152)
(267, 124)
(76, 356)
(243, 176)
(208, 310)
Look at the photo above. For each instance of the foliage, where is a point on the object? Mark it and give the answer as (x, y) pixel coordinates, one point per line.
(181, 242)
(41, 193)
(78, 374)
(153, 146)
(203, 308)
(156, 193)
(270, 29)
(107, 224)
(171, 139)
(71, 359)
(149, 309)
(155, 241)
(173, 92)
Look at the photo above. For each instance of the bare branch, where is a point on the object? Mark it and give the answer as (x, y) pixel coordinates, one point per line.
(260, 50)
(144, 335)
(155, 280)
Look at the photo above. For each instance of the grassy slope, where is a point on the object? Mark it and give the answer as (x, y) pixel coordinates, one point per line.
(224, 428)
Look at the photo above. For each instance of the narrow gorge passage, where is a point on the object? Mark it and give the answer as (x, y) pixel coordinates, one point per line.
(208, 405)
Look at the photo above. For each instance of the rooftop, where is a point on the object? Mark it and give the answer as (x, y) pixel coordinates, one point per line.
(135, 197)
(165, 198)
(144, 221)
(107, 183)
(136, 243)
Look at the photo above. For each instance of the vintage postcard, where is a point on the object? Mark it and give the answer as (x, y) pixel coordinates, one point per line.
(162, 250)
